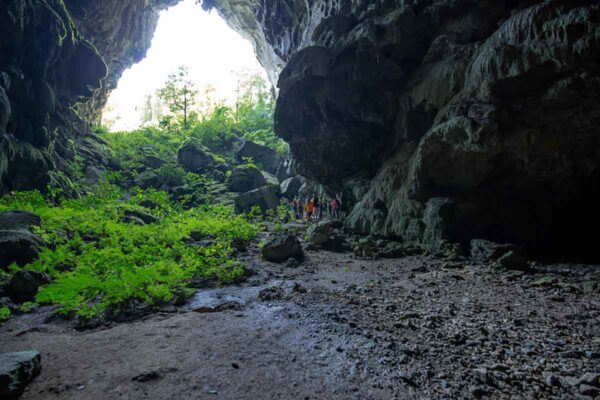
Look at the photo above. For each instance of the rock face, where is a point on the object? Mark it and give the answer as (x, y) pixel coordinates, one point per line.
(58, 61)
(16, 371)
(450, 120)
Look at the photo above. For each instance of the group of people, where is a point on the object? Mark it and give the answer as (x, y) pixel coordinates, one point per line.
(315, 207)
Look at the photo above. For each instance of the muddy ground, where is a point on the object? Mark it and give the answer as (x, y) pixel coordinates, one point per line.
(339, 328)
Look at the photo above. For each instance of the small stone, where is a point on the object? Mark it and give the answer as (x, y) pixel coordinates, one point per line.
(298, 288)
(147, 377)
(552, 380)
(270, 294)
(227, 305)
(588, 390)
(590, 378)
(291, 263)
(478, 392)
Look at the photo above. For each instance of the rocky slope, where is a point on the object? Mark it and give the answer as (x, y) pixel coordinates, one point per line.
(445, 120)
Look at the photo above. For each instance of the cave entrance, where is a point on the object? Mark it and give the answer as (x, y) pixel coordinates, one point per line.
(217, 58)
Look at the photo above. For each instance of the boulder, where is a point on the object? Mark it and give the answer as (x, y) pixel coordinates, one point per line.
(154, 162)
(270, 178)
(93, 174)
(218, 176)
(149, 179)
(243, 179)
(24, 285)
(290, 187)
(265, 198)
(193, 156)
(263, 156)
(484, 250)
(17, 370)
(281, 248)
(13, 220)
(140, 215)
(513, 260)
(18, 246)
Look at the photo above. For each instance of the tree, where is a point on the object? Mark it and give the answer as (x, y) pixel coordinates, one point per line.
(179, 93)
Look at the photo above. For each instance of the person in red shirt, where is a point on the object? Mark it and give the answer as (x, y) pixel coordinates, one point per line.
(310, 209)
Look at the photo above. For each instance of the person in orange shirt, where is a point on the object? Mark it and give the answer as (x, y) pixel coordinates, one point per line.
(310, 209)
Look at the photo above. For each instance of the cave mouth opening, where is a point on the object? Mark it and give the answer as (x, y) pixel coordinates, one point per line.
(217, 58)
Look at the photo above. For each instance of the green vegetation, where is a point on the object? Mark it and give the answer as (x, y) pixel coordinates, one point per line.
(102, 256)
(217, 125)
(98, 261)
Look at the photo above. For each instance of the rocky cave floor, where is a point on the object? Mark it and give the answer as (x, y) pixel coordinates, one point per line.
(337, 327)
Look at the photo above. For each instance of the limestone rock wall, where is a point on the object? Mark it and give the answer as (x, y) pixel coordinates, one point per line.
(446, 119)
(58, 61)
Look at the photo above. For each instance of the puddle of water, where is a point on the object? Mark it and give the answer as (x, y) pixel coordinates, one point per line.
(217, 296)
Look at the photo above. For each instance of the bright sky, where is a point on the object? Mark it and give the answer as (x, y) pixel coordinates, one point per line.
(186, 35)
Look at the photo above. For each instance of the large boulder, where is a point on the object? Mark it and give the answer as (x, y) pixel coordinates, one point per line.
(263, 156)
(193, 156)
(244, 179)
(15, 219)
(290, 187)
(281, 248)
(16, 371)
(18, 246)
(24, 285)
(264, 198)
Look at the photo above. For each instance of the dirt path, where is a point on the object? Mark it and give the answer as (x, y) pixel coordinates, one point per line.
(338, 328)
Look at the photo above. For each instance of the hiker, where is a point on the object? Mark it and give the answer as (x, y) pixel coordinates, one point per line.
(335, 212)
(323, 203)
(296, 208)
(310, 209)
(317, 205)
(340, 203)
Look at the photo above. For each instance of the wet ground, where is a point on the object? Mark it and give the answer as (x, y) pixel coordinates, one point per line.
(340, 328)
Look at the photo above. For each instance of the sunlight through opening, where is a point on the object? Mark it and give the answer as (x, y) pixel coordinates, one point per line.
(216, 56)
